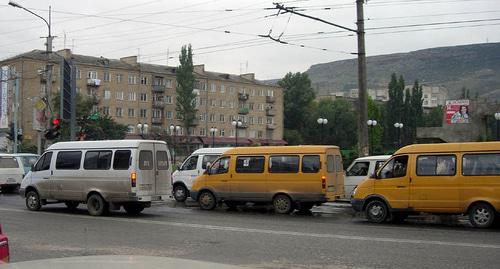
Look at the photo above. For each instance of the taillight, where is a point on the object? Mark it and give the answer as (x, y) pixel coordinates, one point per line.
(323, 182)
(133, 179)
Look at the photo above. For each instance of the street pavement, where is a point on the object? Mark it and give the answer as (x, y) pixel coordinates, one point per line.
(330, 237)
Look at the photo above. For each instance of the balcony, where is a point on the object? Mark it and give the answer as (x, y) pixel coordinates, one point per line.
(270, 99)
(159, 88)
(270, 112)
(156, 120)
(243, 111)
(93, 82)
(159, 104)
(243, 96)
(243, 126)
(94, 99)
(270, 126)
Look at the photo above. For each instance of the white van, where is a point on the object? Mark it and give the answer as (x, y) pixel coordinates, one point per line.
(360, 169)
(193, 166)
(11, 172)
(103, 174)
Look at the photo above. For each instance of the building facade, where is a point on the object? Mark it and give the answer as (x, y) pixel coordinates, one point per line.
(135, 93)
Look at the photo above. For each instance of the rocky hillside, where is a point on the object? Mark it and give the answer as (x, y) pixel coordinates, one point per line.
(476, 67)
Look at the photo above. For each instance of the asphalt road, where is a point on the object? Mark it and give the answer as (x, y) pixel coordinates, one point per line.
(331, 237)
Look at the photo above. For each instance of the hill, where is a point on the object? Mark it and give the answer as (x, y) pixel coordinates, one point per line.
(476, 67)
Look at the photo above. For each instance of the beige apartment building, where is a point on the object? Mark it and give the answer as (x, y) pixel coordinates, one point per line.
(132, 92)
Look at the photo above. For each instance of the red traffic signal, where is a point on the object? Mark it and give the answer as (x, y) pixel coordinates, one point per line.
(56, 122)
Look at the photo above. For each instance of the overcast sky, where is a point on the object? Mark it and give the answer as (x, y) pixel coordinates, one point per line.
(224, 34)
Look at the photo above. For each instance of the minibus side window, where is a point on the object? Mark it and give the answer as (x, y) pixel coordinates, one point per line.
(162, 160)
(250, 164)
(221, 166)
(97, 160)
(44, 162)
(436, 165)
(329, 164)
(284, 164)
(359, 169)
(311, 164)
(146, 160)
(68, 160)
(121, 161)
(338, 163)
(487, 164)
(208, 159)
(394, 168)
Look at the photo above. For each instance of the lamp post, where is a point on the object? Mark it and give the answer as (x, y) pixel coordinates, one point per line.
(371, 124)
(213, 131)
(236, 125)
(497, 118)
(173, 130)
(322, 122)
(398, 126)
(143, 129)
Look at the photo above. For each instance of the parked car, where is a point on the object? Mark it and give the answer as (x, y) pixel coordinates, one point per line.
(11, 172)
(103, 174)
(448, 178)
(288, 177)
(360, 169)
(193, 166)
(4, 247)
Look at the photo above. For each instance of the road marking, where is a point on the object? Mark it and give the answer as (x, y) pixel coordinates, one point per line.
(271, 232)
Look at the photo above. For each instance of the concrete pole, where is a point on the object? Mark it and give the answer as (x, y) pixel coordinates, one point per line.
(16, 111)
(362, 91)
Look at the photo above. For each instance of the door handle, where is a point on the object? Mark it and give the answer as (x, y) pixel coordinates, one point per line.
(400, 186)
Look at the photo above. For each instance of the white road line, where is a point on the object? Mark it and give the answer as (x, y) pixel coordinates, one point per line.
(271, 232)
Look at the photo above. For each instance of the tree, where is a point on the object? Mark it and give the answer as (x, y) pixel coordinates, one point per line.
(434, 118)
(376, 112)
(186, 97)
(394, 109)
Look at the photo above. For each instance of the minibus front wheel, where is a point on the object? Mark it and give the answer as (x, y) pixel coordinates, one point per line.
(376, 211)
(207, 200)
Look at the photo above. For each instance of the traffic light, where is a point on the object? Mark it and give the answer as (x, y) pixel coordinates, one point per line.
(54, 131)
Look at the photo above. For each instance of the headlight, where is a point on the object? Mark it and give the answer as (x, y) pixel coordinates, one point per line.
(354, 190)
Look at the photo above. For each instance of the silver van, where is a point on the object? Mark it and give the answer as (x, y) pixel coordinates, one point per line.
(360, 169)
(102, 174)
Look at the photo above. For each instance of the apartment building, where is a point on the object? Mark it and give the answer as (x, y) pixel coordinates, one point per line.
(132, 92)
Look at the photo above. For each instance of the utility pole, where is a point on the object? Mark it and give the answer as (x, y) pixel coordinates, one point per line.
(362, 91)
(16, 111)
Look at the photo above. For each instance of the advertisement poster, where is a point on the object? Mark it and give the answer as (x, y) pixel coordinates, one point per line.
(4, 96)
(457, 111)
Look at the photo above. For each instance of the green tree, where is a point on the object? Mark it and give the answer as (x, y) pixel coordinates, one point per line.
(376, 112)
(298, 96)
(186, 97)
(434, 118)
(394, 109)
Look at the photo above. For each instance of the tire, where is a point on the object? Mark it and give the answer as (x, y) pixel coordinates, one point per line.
(376, 211)
(33, 202)
(133, 209)
(482, 215)
(72, 205)
(282, 204)
(180, 193)
(207, 200)
(96, 205)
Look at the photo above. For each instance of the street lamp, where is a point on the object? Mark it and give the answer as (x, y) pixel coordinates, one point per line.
(213, 131)
(497, 118)
(371, 124)
(322, 122)
(143, 129)
(399, 126)
(50, 37)
(174, 130)
(236, 125)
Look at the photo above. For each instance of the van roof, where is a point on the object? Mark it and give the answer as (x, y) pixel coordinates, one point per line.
(376, 157)
(449, 147)
(210, 150)
(280, 149)
(102, 144)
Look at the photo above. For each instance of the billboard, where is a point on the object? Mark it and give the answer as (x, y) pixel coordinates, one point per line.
(4, 96)
(457, 111)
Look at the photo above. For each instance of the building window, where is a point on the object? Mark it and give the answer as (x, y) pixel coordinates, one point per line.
(78, 74)
(252, 134)
(203, 117)
(132, 79)
(250, 120)
(107, 94)
(143, 113)
(92, 74)
(222, 118)
(105, 110)
(260, 134)
(261, 92)
(231, 104)
(169, 115)
(270, 93)
(252, 93)
(131, 112)
(119, 78)
(106, 76)
(260, 107)
(222, 88)
(213, 87)
(168, 99)
(232, 133)
(157, 113)
(250, 106)
(270, 120)
(231, 90)
(168, 83)
(202, 132)
(119, 112)
(144, 81)
(119, 95)
(222, 132)
(222, 103)
(130, 129)
(213, 102)
(212, 117)
(144, 97)
(259, 120)
(132, 96)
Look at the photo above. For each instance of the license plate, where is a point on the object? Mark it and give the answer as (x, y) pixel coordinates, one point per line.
(11, 180)
(155, 198)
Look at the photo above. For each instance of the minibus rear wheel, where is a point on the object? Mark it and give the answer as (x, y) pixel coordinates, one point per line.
(282, 204)
(482, 215)
(96, 205)
(376, 211)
